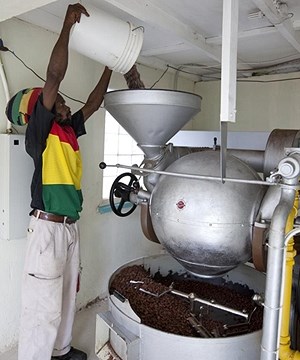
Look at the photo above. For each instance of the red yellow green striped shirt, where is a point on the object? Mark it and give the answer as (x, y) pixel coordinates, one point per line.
(56, 183)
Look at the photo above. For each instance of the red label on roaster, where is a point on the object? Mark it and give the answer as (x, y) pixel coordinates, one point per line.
(180, 205)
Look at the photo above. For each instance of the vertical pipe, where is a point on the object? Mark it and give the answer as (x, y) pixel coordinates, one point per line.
(285, 340)
(285, 351)
(272, 306)
(6, 92)
(229, 60)
(228, 73)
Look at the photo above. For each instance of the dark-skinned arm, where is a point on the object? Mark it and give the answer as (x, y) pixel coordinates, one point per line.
(96, 96)
(58, 63)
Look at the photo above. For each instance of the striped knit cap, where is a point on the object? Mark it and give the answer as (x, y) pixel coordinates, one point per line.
(20, 106)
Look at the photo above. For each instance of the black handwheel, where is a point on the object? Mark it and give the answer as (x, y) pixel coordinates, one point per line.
(122, 191)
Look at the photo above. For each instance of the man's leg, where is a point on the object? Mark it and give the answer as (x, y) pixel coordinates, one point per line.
(41, 290)
(64, 334)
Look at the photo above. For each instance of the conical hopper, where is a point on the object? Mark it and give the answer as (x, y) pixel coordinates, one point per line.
(152, 117)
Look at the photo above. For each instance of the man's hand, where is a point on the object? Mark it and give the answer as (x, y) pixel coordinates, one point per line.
(73, 14)
(59, 57)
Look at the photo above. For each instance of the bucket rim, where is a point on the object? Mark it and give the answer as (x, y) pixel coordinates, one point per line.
(131, 50)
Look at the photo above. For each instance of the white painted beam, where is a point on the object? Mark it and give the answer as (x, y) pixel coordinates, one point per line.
(157, 17)
(279, 20)
(243, 35)
(229, 60)
(296, 25)
(228, 73)
(268, 30)
(217, 40)
(165, 49)
(268, 8)
(287, 31)
(11, 8)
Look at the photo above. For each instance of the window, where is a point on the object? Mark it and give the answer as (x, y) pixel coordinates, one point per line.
(119, 148)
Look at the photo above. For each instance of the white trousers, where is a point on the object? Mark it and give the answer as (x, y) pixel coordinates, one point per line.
(48, 289)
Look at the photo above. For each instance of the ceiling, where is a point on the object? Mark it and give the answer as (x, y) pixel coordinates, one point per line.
(187, 34)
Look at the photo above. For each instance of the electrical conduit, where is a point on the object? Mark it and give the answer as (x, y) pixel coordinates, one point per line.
(274, 275)
(285, 351)
(6, 92)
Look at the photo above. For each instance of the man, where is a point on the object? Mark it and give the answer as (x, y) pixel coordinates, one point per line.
(52, 258)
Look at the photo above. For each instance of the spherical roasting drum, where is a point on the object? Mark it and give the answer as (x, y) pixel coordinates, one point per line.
(133, 340)
(206, 224)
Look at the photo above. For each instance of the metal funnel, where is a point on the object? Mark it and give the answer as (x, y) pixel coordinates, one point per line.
(152, 117)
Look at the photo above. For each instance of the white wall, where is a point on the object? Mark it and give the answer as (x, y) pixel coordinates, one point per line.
(265, 103)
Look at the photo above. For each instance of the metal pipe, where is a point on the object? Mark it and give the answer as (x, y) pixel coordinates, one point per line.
(6, 92)
(286, 287)
(253, 158)
(274, 276)
(140, 171)
(285, 351)
(211, 303)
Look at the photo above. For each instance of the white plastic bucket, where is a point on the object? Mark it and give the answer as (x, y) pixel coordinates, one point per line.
(108, 40)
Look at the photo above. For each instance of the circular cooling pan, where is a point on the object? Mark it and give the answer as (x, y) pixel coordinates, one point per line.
(146, 343)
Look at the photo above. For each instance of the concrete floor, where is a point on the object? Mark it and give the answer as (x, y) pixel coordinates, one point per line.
(83, 331)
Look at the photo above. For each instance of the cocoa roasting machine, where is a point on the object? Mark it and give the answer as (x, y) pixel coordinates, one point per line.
(210, 225)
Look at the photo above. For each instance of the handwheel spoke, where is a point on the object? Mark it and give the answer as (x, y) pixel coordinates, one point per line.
(131, 182)
(121, 204)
